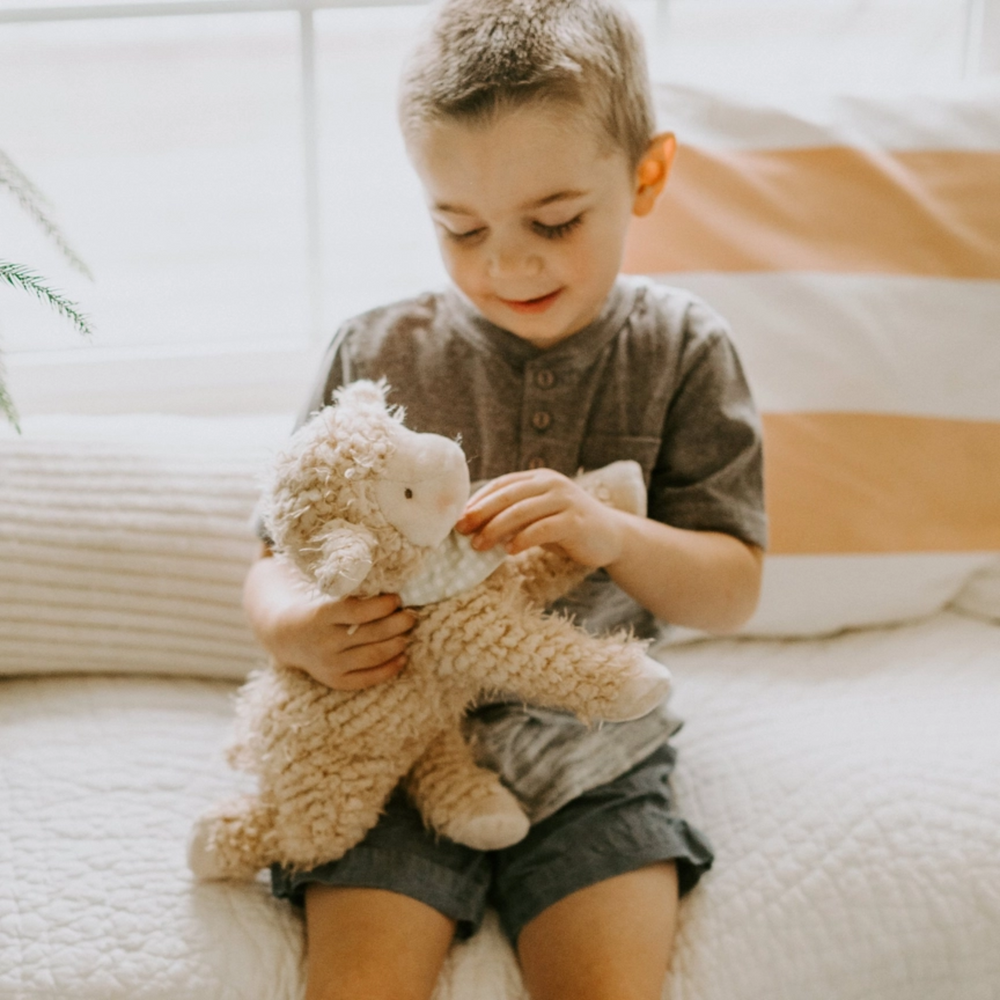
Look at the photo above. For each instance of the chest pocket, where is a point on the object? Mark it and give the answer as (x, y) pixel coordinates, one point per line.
(602, 449)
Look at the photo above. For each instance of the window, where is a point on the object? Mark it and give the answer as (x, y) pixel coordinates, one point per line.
(234, 177)
(172, 150)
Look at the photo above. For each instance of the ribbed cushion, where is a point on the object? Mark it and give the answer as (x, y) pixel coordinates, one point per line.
(124, 542)
(854, 246)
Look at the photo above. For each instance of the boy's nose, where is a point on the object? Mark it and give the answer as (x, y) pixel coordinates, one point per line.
(513, 261)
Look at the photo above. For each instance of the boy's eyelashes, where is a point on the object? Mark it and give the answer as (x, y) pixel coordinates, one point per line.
(548, 232)
(467, 237)
(557, 232)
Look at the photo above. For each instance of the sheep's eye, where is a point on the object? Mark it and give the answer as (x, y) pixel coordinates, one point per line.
(408, 493)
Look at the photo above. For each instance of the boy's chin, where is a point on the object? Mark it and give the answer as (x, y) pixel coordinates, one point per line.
(544, 328)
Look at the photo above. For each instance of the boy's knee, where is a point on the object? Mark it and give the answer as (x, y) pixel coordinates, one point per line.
(365, 988)
(371, 944)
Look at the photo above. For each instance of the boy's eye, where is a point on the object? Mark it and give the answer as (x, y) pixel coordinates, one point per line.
(557, 232)
(467, 237)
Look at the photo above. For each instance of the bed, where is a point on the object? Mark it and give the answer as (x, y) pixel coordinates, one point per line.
(842, 751)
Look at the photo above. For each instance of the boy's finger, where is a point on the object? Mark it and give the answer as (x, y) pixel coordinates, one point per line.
(507, 521)
(362, 610)
(396, 624)
(377, 663)
(543, 532)
(359, 679)
(499, 483)
(481, 510)
(513, 520)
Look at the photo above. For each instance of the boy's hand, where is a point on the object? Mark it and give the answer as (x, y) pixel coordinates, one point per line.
(543, 507)
(347, 645)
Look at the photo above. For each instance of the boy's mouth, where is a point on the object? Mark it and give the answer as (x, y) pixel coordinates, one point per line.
(532, 305)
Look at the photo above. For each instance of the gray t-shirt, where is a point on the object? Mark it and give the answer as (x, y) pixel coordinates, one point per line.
(654, 378)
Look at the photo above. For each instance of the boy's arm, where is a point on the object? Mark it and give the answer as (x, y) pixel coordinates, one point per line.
(347, 645)
(700, 579)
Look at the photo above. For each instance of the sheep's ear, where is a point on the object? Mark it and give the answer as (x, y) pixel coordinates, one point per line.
(363, 393)
(620, 484)
(345, 558)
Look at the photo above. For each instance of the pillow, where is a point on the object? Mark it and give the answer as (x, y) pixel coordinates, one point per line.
(124, 542)
(980, 597)
(854, 246)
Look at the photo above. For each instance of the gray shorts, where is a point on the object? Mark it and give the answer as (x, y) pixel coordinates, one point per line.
(619, 827)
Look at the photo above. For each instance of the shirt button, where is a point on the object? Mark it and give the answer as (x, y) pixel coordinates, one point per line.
(545, 379)
(541, 420)
(536, 463)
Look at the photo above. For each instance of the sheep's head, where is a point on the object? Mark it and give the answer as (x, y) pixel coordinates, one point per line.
(357, 499)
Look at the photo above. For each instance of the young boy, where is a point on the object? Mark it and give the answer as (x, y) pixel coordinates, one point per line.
(529, 124)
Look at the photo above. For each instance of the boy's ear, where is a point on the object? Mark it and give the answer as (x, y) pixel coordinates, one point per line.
(652, 172)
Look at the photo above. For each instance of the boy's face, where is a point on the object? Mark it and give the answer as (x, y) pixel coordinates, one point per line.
(531, 212)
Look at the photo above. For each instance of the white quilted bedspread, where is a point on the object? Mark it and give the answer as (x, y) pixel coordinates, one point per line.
(850, 787)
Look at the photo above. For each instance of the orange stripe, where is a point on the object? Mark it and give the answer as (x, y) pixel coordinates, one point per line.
(833, 208)
(862, 482)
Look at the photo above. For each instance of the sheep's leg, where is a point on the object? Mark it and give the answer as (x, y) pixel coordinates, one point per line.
(463, 801)
(548, 574)
(550, 661)
(232, 841)
(322, 815)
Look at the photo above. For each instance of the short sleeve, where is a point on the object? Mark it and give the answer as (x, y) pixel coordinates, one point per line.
(709, 471)
(331, 376)
(334, 371)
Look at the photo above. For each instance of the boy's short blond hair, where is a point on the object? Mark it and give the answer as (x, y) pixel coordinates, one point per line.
(481, 57)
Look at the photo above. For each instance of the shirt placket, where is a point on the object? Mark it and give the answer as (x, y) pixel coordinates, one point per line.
(544, 415)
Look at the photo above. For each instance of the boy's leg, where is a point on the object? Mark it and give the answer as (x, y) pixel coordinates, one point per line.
(589, 897)
(372, 943)
(380, 919)
(610, 940)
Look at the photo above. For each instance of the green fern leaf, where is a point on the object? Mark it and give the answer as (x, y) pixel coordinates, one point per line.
(33, 202)
(22, 277)
(7, 407)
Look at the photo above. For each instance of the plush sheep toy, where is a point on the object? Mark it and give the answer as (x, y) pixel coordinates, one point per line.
(361, 505)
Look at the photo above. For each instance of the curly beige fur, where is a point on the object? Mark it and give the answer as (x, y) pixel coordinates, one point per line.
(326, 761)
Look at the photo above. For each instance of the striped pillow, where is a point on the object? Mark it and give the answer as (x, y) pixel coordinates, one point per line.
(855, 249)
(124, 542)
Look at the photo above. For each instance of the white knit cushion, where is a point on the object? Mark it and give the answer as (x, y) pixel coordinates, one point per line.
(124, 542)
(854, 246)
